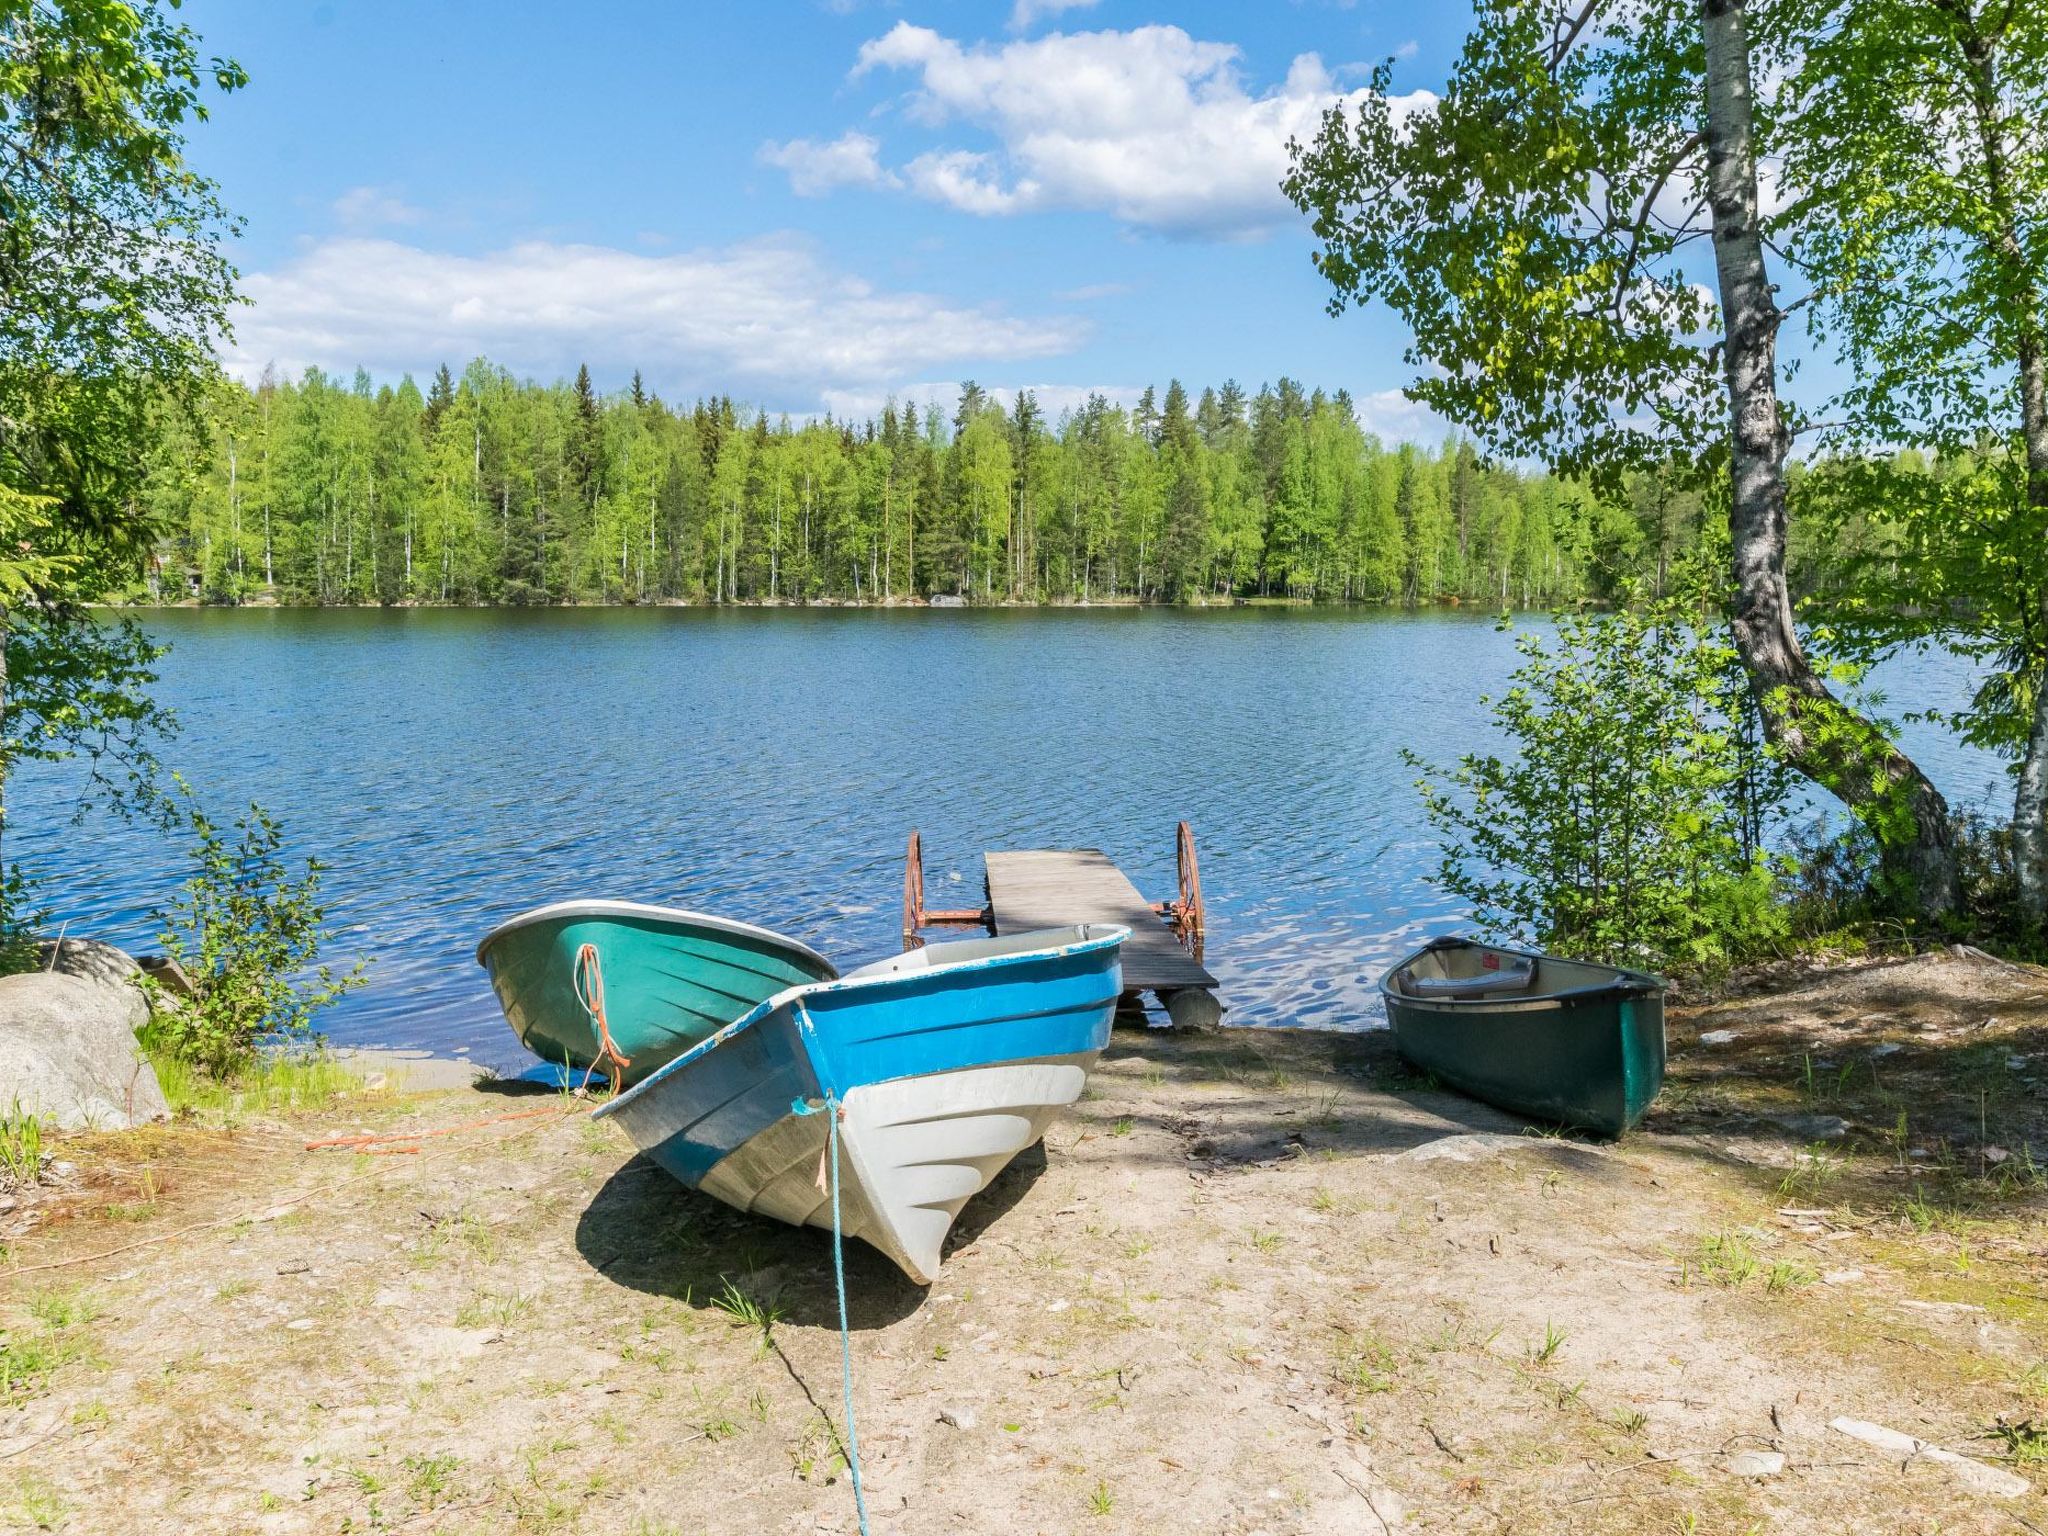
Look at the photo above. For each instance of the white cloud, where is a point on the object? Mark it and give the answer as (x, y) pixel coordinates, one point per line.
(362, 208)
(1393, 418)
(765, 320)
(1027, 12)
(1151, 125)
(851, 160)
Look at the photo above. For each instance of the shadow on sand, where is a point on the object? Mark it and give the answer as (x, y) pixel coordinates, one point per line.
(646, 1231)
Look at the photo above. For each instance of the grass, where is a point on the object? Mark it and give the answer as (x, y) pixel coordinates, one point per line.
(1368, 1365)
(429, 1478)
(500, 1308)
(1101, 1501)
(2025, 1441)
(30, 1356)
(21, 1145)
(750, 1312)
(1725, 1259)
(274, 1082)
(1553, 1341)
(1811, 1176)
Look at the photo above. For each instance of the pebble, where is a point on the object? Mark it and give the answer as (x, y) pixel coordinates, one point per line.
(1719, 1037)
(1888, 1048)
(1757, 1464)
(1841, 1276)
(959, 1418)
(299, 1324)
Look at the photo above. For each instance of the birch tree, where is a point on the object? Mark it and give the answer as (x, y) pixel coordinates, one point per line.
(1574, 234)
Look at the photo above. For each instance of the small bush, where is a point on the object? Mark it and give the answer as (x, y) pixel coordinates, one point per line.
(1629, 825)
(248, 932)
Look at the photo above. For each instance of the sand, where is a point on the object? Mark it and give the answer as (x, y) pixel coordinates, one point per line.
(1256, 1282)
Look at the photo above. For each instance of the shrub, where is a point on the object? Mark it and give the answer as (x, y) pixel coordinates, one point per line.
(1629, 826)
(247, 931)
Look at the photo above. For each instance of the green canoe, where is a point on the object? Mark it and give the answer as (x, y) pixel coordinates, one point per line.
(662, 979)
(1558, 1040)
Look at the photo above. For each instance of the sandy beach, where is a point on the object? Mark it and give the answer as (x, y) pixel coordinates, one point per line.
(1259, 1281)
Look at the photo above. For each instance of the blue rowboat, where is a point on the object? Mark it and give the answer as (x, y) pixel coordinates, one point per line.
(945, 1062)
(624, 987)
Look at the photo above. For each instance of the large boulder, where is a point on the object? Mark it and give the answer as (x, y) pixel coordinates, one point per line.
(67, 1041)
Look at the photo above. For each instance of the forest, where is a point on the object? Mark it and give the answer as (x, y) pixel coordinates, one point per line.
(487, 489)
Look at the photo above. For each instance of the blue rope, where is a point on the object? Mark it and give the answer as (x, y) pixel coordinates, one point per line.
(831, 1109)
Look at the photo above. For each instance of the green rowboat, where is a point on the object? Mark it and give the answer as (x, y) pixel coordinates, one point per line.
(620, 986)
(1558, 1040)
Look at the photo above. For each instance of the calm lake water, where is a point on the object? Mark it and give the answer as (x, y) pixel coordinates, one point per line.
(455, 767)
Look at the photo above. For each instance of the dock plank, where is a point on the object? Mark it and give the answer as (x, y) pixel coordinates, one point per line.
(1049, 888)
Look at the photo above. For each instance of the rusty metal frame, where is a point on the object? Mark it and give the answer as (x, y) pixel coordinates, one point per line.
(1189, 914)
(916, 916)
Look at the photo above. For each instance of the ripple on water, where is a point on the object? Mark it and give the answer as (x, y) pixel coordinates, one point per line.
(452, 768)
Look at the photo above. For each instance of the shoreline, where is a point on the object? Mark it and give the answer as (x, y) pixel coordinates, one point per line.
(1258, 1280)
(908, 604)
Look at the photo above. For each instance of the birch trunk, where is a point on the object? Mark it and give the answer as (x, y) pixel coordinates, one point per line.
(1824, 739)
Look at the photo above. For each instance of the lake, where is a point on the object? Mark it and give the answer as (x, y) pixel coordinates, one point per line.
(455, 766)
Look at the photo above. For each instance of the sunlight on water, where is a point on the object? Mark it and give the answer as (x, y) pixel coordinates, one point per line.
(455, 767)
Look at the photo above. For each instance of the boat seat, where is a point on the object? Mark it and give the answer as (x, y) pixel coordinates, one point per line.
(1516, 976)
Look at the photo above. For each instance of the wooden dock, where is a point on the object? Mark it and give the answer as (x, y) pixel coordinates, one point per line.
(1049, 888)
(1058, 887)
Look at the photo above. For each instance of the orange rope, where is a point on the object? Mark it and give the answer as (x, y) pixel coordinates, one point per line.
(590, 993)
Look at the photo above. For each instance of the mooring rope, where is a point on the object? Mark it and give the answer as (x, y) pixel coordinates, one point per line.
(589, 984)
(832, 1109)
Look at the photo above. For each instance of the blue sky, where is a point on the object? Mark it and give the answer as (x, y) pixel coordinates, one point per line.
(810, 204)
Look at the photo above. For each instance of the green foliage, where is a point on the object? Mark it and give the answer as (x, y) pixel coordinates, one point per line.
(1629, 826)
(330, 490)
(1521, 225)
(21, 1145)
(247, 931)
(114, 284)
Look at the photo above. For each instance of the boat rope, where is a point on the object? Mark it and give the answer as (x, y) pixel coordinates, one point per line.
(833, 1110)
(589, 981)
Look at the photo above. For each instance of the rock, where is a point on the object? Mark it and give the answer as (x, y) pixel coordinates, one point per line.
(1841, 1276)
(1814, 1127)
(1757, 1464)
(90, 960)
(960, 1417)
(1888, 1048)
(1974, 1474)
(1194, 1009)
(67, 1042)
(1462, 1149)
(1718, 1037)
(946, 600)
